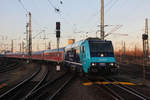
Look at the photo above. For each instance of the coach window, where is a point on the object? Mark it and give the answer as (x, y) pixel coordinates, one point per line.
(77, 55)
(59, 54)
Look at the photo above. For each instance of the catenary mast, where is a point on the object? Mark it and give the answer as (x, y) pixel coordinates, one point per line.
(30, 37)
(102, 20)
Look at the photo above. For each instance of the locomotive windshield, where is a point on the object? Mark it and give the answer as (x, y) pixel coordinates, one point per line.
(101, 49)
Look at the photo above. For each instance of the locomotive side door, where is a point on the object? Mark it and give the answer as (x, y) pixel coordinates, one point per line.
(83, 58)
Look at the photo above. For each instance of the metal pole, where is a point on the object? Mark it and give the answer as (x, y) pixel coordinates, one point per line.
(146, 26)
(27, 38)
(144, 72)
(58, 38)
(135, 52)
(49, 45)
(145, 49)
(143, 61)
(102, 20)
(58, 55)
(45, 44)
(20, 48)
(124, 50)
(145, 41)
(12, 46)
(96, 33)
(30, 38)
(147, 44)
(58, 49)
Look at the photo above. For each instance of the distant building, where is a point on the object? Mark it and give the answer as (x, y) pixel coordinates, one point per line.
(4, 51)
(71, 41)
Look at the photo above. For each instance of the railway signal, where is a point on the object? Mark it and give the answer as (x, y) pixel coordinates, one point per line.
(57, 29)
(57, 25)
(145, 42)
(57, 33)
(58, 38)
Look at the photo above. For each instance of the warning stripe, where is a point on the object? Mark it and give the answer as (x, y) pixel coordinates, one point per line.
(106, 83)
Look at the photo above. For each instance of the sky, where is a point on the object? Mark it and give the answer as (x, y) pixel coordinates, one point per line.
(77, 18)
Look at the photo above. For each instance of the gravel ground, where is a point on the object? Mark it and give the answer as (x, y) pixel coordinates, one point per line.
(133, 73)
(77, 91)
(53, 74)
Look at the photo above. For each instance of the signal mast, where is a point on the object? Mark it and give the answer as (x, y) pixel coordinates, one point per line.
(145, 50)
(145, 41)
(58, 39)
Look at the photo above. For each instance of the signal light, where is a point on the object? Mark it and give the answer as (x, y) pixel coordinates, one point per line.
(145, 36)
(58, 34)
(57, 25)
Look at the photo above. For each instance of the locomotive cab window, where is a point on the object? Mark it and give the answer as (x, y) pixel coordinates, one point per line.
(83, 49)
(101, 48)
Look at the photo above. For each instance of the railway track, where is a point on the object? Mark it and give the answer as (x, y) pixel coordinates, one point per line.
(50, 90)
(6, 68)
(27, 86)
(122, 92)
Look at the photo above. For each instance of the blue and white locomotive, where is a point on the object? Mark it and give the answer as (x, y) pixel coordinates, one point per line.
(91, 55)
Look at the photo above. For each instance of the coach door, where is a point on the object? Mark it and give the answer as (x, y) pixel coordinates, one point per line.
(83, 55)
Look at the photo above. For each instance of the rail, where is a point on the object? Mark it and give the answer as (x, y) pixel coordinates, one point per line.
(127, 90)
(48, 91)
(9, 92)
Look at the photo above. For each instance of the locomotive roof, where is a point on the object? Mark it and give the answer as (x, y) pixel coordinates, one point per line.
(75, 44)
(97, 40)
(47, 51)
(15, 53)
(82, 41)
(36, 52)
(53, 50)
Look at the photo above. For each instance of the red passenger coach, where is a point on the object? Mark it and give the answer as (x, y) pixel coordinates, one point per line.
(54, 55)
(15, 55)
(37, 55)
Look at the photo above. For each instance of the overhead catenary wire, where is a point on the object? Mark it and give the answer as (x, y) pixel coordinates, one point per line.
(96, 14)
(108, 6)
(33, 18)
(61, 13)
(113, 4)
(108, 3)
(27, 11)
(23, 6)
(55, 8)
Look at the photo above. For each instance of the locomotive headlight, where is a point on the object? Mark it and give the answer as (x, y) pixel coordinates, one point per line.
(93, 64)
(102, 55)
(111, 64)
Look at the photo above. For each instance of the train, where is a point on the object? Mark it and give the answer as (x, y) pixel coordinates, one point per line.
(91, 55)
(52, 55)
